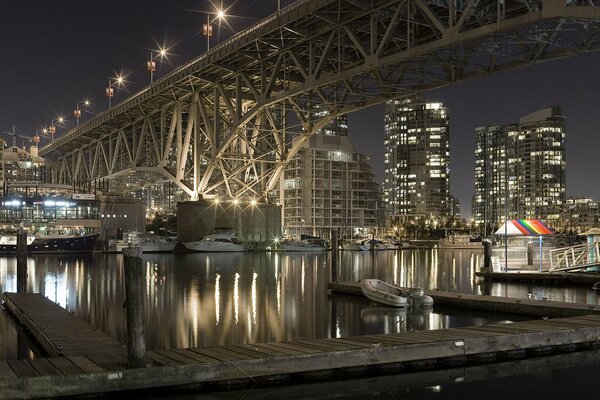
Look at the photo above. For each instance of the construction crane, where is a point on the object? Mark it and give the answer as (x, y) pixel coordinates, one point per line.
(35, 139)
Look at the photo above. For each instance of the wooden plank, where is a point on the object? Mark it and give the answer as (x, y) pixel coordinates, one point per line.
(6, 371)
(44, 367)
(85, 364)
(65, 366)
(194, 356)
(181, 359)
(239, 352)
(274, 346)
(268, 352)
(332, 344)
(22, 368)
(104, 362)
(162, 360)
(226, 351)
(215, 354)
(300, 347)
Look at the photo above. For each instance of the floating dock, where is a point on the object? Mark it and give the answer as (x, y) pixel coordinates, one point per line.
(537, 308)
(583, 278)
(103, 369)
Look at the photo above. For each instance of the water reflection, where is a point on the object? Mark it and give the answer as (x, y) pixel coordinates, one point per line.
(218, 299)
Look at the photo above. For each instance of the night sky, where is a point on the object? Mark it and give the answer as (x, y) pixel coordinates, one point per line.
(56, 53)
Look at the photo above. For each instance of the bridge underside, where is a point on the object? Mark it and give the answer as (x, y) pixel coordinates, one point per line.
(226, 123)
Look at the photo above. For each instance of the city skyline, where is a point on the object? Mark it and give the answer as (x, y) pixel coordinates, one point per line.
(59, 56)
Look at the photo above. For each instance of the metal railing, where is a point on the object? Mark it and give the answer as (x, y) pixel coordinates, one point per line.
(575, 257)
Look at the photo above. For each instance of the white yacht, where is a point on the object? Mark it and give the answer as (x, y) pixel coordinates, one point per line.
(217, 242)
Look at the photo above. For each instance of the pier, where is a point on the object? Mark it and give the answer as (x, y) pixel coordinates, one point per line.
(87, 367)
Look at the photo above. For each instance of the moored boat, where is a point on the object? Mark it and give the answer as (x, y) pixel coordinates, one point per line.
(382, 292)
(216, 242)
(51, 242)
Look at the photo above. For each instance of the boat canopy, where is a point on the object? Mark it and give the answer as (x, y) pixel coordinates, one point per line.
(523, 227)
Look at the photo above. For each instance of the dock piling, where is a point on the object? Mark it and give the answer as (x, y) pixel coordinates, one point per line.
(21, 260)
(134, 298)
(334, 255)
(487, 255)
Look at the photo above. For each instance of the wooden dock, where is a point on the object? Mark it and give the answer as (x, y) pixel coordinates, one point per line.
(536, 308)
(57, 331)
(221, 367)
(582, 278)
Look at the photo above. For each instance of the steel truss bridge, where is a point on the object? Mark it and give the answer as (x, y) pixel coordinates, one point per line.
(227, 122)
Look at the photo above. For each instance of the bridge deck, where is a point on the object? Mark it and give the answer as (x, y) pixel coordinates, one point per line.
(219, 366)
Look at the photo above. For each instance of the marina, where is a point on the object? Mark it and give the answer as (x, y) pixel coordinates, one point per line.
(347, 314)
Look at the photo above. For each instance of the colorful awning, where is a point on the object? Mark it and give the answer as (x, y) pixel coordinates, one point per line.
(523, 227)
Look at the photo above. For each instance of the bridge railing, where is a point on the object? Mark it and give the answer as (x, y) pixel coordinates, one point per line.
(575, 257)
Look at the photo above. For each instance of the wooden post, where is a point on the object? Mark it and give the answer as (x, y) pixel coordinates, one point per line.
(487, 255)
(21, 260)
(134, 299)
(334, 255)
(529, 253)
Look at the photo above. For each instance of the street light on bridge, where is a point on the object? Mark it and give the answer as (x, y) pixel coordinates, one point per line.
(207, 29)
(117, 81)
(151, 64)
(77, 112)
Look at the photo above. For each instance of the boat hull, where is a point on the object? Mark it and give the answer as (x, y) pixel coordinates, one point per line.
(52, 244)
(216, 247)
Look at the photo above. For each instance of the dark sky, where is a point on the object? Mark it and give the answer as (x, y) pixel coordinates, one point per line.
(56, 53)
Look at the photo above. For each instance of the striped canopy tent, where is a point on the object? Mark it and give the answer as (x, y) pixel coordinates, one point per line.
(523, 227)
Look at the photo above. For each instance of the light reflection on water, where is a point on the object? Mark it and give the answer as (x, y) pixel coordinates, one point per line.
(218, 299)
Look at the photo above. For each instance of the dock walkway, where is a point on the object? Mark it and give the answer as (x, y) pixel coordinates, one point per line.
(215, 368)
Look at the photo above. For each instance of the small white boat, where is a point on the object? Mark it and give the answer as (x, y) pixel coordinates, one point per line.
(382, 292)
(217, 242)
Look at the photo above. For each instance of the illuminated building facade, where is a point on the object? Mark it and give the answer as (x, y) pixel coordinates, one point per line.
(417, 156)
(328, 185)
(520, 169)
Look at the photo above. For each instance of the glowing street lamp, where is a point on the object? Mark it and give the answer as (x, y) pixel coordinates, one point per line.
(77, 112)
(151, 64)
(118, 81)
(207, 29)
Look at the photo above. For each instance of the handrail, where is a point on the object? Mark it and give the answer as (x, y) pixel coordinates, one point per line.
(575, 257)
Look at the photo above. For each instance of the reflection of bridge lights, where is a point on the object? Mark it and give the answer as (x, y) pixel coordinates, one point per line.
(254, 276)
(236, 297)
(217, 297)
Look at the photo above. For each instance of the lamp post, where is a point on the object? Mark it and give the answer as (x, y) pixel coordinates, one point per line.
(118, 81)
(151, 64)
(77, 112)
(207, 29)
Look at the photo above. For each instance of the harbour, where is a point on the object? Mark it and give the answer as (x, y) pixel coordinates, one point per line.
(206, 300)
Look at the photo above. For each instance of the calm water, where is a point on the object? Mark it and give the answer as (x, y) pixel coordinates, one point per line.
(216, 299)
